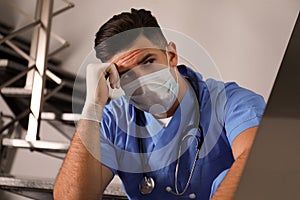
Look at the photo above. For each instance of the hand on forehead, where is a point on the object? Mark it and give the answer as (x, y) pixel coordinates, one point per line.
(130, 59)
(137, 51)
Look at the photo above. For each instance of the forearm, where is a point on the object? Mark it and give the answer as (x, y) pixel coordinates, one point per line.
(80, 175)
(227, 188)
(241, 149)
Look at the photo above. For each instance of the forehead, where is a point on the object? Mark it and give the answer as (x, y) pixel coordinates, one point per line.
(132, 55)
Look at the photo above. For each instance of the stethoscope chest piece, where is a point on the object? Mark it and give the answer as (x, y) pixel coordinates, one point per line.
(147, 185)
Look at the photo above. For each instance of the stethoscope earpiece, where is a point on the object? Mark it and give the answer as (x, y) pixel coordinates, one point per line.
(192, 196)
(168, 189)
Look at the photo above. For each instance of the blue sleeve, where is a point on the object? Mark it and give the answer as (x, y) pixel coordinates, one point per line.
(218, 180)
(108, 151)
(243, 110)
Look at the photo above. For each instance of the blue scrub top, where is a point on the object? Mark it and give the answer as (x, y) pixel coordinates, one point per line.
(222, 110)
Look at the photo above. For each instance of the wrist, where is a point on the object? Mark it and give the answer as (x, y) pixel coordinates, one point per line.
(92, 111)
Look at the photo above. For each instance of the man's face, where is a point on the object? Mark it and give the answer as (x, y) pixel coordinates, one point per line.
(140, 59)
(137, 66)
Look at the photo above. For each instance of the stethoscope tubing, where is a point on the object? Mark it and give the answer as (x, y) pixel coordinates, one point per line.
(199, 144)
(193, 166)
(199, 139)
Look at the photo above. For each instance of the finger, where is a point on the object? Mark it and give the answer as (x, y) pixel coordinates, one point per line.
(96, 86)
(113, 74)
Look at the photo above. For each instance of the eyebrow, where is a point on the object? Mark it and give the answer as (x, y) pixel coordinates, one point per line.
(145, 58)
(148, 55)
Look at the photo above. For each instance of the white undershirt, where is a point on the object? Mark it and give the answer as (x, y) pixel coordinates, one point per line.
(165, 121)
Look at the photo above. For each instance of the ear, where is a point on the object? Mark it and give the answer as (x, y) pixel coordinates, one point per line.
(171, 50)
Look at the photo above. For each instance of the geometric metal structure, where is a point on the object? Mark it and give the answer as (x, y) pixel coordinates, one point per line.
(37, 60)
(42, 34)
(34, 76)
(37, 68)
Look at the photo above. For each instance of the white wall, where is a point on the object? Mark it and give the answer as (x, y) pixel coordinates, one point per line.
(246, 39)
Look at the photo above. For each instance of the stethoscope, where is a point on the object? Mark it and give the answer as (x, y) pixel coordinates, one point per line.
(147, 184)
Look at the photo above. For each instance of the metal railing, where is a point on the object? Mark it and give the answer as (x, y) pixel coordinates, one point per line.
(37, 59)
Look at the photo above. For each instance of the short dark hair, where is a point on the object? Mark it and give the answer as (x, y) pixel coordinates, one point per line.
(128, 25)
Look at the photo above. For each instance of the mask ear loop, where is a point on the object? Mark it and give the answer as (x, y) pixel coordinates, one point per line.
(170, 65)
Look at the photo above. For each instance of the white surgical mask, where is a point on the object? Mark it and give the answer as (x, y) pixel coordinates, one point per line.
(155, 92)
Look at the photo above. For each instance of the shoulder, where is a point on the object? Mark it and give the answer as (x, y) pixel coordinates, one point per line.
(236, 94)
(232, 98)
(230, 94)
(218, 90)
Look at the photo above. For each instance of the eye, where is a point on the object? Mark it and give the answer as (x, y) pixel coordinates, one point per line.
(149, 61)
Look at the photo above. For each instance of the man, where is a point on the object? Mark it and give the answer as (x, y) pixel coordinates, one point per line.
(170, 136)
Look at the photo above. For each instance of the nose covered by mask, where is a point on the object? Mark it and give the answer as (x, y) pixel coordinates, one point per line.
(155, 92)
